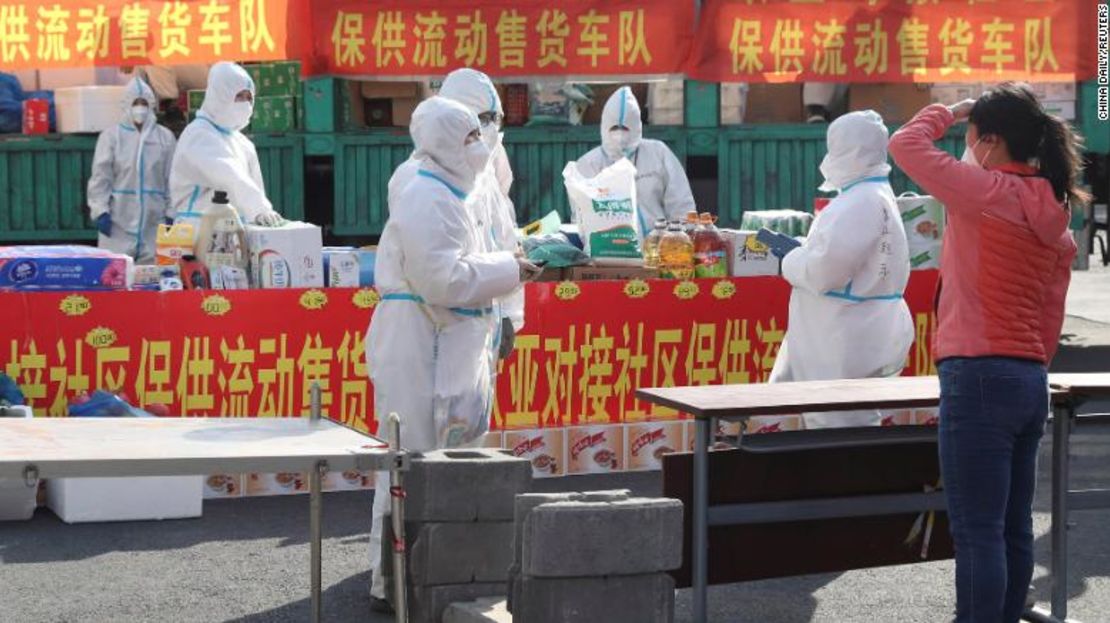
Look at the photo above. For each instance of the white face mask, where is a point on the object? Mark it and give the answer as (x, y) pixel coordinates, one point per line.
(491, 137)
(477, 157)
(969, 155)
(139, 114)
(240, 114)
(620, 142)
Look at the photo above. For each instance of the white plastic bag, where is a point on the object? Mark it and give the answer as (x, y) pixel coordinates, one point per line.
(606, 212)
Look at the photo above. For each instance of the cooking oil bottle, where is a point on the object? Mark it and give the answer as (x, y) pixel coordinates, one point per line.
(710, 251)
(676, 253)
(651, 244)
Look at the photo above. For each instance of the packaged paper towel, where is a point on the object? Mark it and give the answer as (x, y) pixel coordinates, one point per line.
(290, 256)
(64, 267)
(341, 267)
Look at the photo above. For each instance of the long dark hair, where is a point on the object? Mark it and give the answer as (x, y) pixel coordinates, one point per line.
(1011, 110)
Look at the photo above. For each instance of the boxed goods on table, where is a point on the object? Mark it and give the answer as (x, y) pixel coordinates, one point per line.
(79, 500)
(546, 449)
(747, 256)
(595, 449)
(71, 267)
(223, 486)
(602, 273)
(771, 424)
(923, 219)
(341, 267)
(36, 116)
(87, 109)
(290, 256)
(367, 260)
(648, 442)
(790, 222)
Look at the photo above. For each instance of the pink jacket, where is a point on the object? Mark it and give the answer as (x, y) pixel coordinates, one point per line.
(1006, 261)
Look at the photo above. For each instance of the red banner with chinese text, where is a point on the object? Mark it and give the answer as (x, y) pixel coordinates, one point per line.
(500, 37)
(585, 350)
(46, 34)
(895, 41)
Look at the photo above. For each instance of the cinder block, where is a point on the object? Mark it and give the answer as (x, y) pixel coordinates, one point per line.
(617, 599)
(490, 610)
(476, 484)
(457, 553)
(586, 539)
(428, 603)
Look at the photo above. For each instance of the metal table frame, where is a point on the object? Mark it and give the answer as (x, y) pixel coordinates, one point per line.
(375, 455)
(919, 392)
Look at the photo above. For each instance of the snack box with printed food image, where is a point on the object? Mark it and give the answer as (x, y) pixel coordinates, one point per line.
(350, 480)
(595, 449)
(647, 443)
(493, 439)
(726, 433)
(772, 424)
(926, 417)
(282, 483)
(900, 417)
(546, 449)
(922, 218)
(223, 486)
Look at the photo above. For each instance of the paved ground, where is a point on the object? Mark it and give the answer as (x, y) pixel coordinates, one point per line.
(247, 560)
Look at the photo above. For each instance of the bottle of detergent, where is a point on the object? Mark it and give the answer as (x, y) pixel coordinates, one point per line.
(651, 244)
(222, 240)
(710, 251)
(676, 254)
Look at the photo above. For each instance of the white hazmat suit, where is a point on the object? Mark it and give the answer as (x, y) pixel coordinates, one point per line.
(662, 188)
(847, 315)
(130, 178)
(429, 342)
(214, 155)
(489, 201)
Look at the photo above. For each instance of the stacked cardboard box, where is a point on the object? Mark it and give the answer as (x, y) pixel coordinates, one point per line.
(666, 102)
(279, 101)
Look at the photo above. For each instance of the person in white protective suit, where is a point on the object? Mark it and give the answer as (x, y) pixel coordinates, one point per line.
(128, 191)
(429, 341)
(214, 155)
(489, 201)
(662, 188)
(848, 318)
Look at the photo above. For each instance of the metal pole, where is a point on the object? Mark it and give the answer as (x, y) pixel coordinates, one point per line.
(314, 530)
(1061, 430)
(699, 556)
(397, 503)
(316, 402)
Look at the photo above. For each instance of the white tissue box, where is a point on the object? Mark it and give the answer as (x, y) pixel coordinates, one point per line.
(290, 256)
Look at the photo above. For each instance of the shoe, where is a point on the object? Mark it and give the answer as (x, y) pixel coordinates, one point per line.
(380, 605)
(817, 119)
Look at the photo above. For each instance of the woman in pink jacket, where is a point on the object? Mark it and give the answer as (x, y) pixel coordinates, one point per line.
(1005, 268)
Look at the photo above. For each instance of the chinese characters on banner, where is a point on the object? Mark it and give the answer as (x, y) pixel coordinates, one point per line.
(585, 350)
(500, 37)
(893, 40)
(45, 34)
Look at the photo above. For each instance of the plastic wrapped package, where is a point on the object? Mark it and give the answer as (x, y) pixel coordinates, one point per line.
(67, 267)
(605, 211)
(554, 251)
(790, 222)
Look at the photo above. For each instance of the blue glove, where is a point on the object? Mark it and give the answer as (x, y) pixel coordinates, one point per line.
(779, 244)
(104, 224)
(168, 221)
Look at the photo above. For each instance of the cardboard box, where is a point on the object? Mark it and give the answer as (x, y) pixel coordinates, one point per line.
(666, 94)
(80, 500)
(274, 114)
(951, 93)
(290, 256)
(217, 486)
(897, 103)
(925, 257)
(378, 89)
(923, 218)
(747, 256)
(286, 78)
(595, 449)
(351, 480)
(341, 267)
(36, 117)
(87, 109)
(901, 417)
(402, 109)
(1055, 91)
(284, 483)
(1063, 109)
(666, 116)
(603, 273)
(772, 424)
(493, 439)
(774, 103)
(546, 449)
(648, 442)
(367, 260)
(927, 417)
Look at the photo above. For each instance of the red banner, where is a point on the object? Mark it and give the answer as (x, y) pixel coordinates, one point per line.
(585, 350)
(500, 37)
(895, 40)
(45, 34)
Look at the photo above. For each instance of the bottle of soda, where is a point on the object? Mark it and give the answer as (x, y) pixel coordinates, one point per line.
(676, 253)
(710, 251)
(651, 244)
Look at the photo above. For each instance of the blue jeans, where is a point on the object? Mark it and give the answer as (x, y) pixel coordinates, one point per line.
(992, 417)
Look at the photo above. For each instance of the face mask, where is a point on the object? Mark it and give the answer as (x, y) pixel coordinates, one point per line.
(139, 114)
(240, 114)
(619, 143)
(828, 185)
(477, 157)
(970, 158)
(491, 137)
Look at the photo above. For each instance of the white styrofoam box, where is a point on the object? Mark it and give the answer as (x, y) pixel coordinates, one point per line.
(1055, 91)
(87, 109)
(668, 94)
(341, 265)
(17, 499)
(667, 116)
(747, 256)
(733, 115)
(1063, 109)
(950, 93)
(290, 256)
(734, 94)
(80, 500)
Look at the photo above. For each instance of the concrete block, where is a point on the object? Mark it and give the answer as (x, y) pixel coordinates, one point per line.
(428, 603)
(586, 539)
(617, 599)
(489, 610)
(476, 484)
(457, 553)
(525, 502)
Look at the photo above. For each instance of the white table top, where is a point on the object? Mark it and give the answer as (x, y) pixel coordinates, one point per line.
(74, 447)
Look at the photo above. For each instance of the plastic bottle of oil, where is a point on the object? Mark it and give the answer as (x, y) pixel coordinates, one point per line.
(651, 244)
(691, 223)
(222, 241)
(710, 251)
(676, 254)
